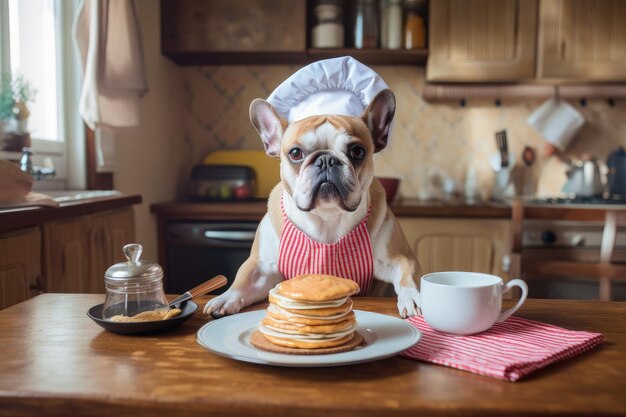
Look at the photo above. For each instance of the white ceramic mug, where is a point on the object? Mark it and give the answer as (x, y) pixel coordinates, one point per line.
(466, 302)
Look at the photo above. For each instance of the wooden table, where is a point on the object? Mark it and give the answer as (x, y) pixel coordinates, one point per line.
(55, 361)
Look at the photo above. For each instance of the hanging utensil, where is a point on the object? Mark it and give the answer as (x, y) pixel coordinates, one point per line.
(528, 156)
(501, 141)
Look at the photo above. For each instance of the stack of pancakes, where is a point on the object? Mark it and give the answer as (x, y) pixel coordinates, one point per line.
(309, 314)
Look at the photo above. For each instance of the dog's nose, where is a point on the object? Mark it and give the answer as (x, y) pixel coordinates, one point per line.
(326, 161)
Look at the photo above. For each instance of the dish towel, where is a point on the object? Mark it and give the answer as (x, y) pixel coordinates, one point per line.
(509, 350)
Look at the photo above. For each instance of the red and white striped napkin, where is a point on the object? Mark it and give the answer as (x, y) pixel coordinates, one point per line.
(509, 350)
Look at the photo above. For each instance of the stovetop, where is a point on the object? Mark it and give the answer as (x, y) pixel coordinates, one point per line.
(578, 200)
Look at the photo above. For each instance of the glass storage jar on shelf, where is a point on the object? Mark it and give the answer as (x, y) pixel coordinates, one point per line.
(328, 29)
(365, 25)
(391, 24)
(414, 28)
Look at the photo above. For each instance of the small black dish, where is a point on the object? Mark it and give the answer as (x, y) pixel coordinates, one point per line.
(141, 327)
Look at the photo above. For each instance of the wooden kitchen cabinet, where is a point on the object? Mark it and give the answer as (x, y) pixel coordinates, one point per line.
(79, 250)
(446, 244)
(20, 266)
(482, 40)
(582, 40)
(223, 27)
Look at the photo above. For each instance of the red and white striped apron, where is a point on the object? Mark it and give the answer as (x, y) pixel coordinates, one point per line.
(349, 257)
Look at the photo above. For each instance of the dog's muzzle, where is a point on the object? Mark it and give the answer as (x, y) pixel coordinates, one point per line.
(332, 180)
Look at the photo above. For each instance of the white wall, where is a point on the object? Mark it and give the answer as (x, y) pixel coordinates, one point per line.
(147, 161)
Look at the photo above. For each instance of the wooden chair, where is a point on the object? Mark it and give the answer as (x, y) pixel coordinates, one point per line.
(605, 270)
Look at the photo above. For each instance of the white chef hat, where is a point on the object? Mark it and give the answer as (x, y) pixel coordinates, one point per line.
(341, 86)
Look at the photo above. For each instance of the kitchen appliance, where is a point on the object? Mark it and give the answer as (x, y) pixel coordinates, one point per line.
(616, 164)
(222, 182)
(267, 169)
(195, 251)
(577, 201)
(585, 178)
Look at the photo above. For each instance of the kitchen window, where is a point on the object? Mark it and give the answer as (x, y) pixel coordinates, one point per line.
(36, 42)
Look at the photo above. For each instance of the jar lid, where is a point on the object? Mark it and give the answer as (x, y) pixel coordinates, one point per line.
(135, 268)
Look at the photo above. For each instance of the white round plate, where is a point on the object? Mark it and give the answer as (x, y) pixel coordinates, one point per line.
(384, 336)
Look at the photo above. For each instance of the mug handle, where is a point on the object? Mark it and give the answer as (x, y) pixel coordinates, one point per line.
(507, 287)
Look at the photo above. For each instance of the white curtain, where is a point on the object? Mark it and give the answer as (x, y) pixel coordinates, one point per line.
(70, 82)
(108, 38)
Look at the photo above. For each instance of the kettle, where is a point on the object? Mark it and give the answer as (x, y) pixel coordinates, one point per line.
(585, 178)
(616, 164)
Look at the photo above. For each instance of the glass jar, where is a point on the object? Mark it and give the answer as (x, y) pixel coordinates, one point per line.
(414, 29)
(133, 287)
(391, 24)
(328, 29)
(365, 25)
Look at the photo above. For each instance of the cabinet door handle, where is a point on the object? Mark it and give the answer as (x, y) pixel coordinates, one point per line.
(229, 235)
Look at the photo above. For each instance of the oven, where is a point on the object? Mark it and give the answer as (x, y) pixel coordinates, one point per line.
(571, 241)
(198, 251)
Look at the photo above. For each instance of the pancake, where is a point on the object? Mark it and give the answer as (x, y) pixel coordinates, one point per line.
(310, 308)
(260, 342)
(279, 314)
(291, 328)
(300, 305)
(308, 344)
(317, 287)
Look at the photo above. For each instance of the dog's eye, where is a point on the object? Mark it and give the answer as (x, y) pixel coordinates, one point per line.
(357, 152)
(296, 154)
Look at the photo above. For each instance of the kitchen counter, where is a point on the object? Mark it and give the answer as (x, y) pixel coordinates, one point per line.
(254, 211)
(57, 362)
(210, 211)
(451, 208)
(22, 217)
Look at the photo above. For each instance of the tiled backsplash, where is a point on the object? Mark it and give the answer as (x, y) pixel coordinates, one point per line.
(427, 138)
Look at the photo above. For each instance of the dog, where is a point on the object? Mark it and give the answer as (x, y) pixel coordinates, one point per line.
(327, 191)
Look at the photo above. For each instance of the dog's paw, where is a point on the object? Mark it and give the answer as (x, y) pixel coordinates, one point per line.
(408, 302)
(230, 302)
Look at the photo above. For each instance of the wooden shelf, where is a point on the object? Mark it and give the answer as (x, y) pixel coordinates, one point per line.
(415, 57)
(373, 56)
(260, 32)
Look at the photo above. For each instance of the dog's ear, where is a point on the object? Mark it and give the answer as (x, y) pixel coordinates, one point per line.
(378, 117)
(269, 125)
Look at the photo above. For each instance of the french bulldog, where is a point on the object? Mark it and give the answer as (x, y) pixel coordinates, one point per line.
(327, 190)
